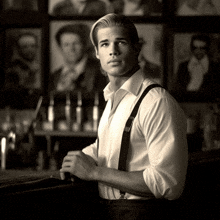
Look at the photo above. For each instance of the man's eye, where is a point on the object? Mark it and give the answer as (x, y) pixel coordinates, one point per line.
(122, 43)
(104, 45)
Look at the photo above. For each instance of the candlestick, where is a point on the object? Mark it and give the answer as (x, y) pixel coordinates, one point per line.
(3, 153)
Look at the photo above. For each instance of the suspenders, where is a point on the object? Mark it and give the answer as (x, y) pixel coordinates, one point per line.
(127, 130)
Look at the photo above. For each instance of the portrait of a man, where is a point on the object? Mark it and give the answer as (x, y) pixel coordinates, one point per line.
(198, 7)
(31, 5)
(77, 7)
(196, 71)
(137, 7)
(23, 66)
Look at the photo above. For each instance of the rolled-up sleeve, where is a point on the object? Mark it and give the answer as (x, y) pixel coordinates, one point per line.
(164, 128)
(91, 150)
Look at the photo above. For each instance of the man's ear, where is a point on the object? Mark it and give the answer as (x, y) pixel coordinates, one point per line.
(96, 53)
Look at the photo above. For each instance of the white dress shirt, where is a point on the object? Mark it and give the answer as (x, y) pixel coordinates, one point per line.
(158, 139)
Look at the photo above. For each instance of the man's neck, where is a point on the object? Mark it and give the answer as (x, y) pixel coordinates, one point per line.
(117, 82)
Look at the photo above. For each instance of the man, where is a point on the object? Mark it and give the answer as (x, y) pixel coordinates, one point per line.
(198, 74)
(157, 153)
(80, 7)
(24, 62)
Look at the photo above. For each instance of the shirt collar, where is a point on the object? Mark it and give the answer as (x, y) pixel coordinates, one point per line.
(132, 85)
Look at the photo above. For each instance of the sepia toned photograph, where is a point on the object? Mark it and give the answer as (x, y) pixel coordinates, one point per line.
(136, 7)
(27, 5)
(23, 58)
(198, 7)
(102, 7)
(78, 7)
(196, 65)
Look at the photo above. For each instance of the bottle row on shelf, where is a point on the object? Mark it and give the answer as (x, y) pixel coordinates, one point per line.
(76, 117)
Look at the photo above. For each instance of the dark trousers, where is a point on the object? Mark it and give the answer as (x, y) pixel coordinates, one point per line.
(140, 209)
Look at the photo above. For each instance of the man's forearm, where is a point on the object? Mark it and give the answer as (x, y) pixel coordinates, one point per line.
(130, 182)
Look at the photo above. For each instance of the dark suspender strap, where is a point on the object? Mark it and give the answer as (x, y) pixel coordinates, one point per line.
(127, 130)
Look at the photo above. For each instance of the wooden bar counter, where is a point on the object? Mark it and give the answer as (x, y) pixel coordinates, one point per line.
(28, 194)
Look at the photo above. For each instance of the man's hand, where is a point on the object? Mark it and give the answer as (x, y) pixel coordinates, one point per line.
(78, 164)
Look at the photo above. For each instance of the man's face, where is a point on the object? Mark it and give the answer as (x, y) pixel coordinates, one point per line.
(115, 52)
(71, 47)
(199, 49)
(27, 47)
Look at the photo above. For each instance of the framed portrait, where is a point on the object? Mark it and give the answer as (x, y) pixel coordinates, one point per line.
(94, 8)
(197, 7)
(194, 70)
(140, 8)
(23, 58)
(99, 8)
(20, 5)
(57, 58)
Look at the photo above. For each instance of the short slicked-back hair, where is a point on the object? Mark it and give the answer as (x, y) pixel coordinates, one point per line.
(112, 20)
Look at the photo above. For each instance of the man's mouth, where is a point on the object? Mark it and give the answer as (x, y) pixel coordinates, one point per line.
(114, 61)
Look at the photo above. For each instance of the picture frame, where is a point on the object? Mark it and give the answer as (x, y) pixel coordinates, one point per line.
(142, 8)
(20, 5)
(197, 8)
(56, 58)
(31, 54)
(69, 8)
(22, 67)
(191, 79)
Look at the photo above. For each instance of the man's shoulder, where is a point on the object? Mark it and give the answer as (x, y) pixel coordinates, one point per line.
(156, 93)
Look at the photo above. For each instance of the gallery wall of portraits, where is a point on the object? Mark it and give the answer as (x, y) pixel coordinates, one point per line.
(34, 56)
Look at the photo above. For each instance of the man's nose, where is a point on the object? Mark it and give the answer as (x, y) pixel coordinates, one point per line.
(114, 51)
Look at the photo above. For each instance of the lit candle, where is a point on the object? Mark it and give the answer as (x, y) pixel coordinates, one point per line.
(3, 153)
